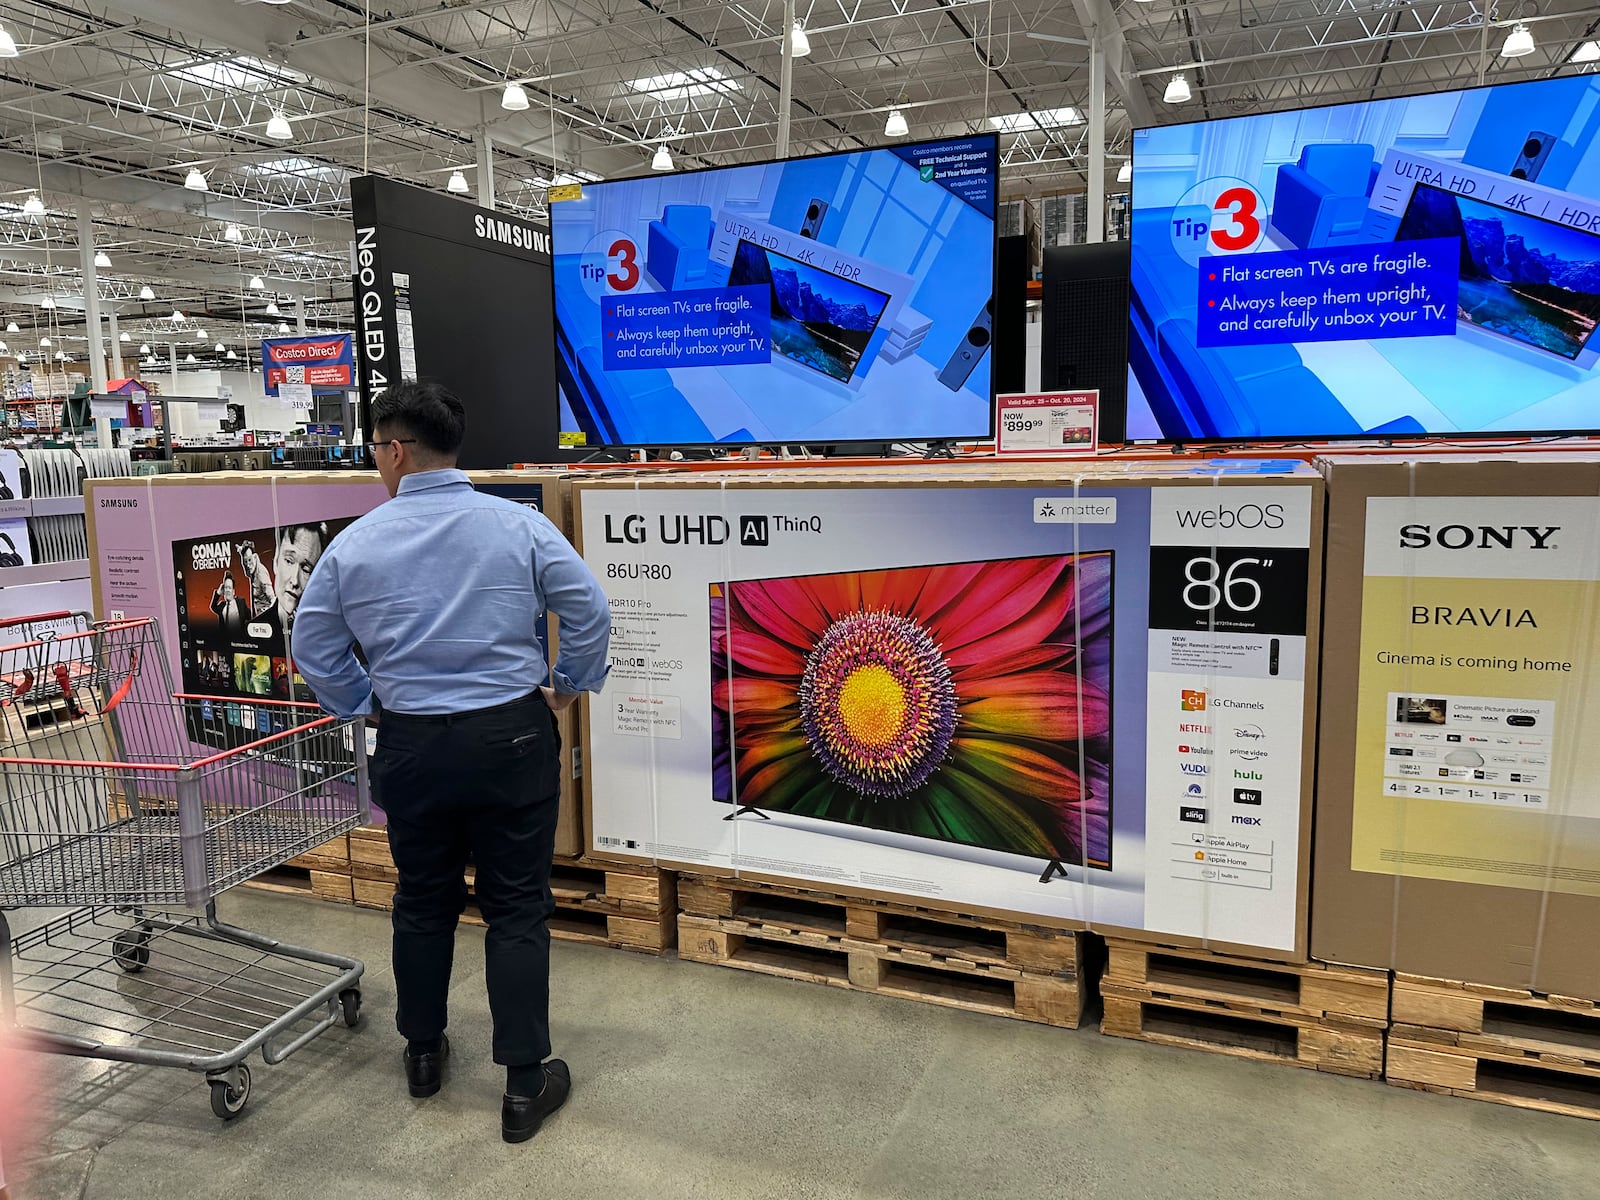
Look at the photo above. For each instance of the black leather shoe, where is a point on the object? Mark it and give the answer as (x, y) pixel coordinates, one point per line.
(425, 1072)
(521, 1116)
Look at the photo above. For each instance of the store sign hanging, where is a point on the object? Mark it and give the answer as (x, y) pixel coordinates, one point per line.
(325, 362)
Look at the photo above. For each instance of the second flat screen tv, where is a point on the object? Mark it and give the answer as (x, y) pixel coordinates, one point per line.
(842, 298)
(1421, 265)
(874, 699)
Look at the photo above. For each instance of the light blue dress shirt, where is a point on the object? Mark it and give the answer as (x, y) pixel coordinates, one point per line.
(442, 588)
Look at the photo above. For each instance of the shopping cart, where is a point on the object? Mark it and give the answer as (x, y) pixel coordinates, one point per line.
(121, 800)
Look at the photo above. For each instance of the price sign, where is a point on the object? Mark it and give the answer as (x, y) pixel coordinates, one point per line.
(296, 396)
(1047, 423)
(209, 410)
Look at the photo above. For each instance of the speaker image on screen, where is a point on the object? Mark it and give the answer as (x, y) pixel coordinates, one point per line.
(812, 225)
(1535, 151)
(971, 350)
(1084, 342)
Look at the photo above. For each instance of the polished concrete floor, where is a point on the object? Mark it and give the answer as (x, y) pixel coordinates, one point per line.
(703, 1082)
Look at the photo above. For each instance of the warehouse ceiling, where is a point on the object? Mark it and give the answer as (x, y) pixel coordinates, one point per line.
(111, 104)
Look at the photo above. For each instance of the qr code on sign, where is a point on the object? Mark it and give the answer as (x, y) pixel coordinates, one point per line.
(294, 374)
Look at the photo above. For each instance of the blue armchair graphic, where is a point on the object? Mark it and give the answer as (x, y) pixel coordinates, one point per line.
(1322, 200)
(677, 254)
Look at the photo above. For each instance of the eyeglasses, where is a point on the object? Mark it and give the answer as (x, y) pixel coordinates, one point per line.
(372, 447)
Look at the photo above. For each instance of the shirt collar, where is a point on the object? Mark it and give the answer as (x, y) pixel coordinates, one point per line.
(427, 481)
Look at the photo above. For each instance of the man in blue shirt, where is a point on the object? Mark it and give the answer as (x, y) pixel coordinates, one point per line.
(441, 589)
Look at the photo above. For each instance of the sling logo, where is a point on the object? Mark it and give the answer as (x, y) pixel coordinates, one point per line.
(755, 531)
(1245, 516)
(1193, 701)
(1478, 537)
(1195, 816)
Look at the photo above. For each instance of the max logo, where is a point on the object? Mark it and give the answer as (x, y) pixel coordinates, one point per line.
(1246, 820)
(754, 531)
(1478, 537)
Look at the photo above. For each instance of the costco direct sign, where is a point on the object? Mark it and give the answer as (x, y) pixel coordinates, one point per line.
(325, 362)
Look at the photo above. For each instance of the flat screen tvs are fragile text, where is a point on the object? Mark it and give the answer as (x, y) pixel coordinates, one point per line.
(841, 298)
(1423, 265)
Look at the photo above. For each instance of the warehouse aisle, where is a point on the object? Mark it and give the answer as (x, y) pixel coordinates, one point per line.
(703, 1082)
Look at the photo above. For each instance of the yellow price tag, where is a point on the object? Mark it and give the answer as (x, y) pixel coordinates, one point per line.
(566, 191)
(572, 438)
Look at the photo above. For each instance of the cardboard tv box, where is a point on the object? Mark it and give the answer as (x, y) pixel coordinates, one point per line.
(1458, 790)
(1078, 696)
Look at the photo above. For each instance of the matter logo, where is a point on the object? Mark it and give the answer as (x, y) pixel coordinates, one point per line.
(755, 531)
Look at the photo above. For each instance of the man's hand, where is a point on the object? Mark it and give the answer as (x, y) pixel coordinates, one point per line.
(558, 700)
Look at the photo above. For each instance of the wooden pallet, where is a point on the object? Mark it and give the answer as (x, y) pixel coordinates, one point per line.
(1309, 1015)
(332, 857)
(624, 905)
(1504, 1045)
(290, 880)
(1316, 990)
(1001, 969)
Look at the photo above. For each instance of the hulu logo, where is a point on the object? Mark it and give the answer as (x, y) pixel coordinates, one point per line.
(1251, 775)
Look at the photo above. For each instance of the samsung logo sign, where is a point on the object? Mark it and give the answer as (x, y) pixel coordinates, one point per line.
(510, 233)
(1478, 537)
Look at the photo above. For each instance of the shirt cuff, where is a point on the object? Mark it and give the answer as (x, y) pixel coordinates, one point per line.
(562, 682)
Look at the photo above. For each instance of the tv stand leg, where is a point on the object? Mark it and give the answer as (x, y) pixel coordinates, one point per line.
(745, 808)
(1052, 869)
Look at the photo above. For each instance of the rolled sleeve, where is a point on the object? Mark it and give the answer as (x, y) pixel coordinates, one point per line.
(323, 648)
(571, 591)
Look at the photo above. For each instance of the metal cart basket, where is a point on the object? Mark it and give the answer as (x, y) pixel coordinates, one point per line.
(120, 798)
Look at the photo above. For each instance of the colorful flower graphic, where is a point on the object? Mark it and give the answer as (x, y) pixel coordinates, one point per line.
(969, 702)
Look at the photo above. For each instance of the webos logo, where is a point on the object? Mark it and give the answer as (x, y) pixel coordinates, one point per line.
(1478, 537)
(1243, 516)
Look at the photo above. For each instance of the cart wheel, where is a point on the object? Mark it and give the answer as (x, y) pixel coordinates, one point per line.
(350, 999)
(131, 949)
(228, 1102)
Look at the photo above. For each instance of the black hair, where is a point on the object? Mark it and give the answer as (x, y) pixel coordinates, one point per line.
(289, 532)
(428, 412)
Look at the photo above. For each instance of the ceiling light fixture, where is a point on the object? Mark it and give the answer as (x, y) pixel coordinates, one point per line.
(4, 349)
(514, 98)
(201, 334)
(177, 315)
(123, 336)
(272, 308)
(896, 125)
(33, 206)
(189, 358)
(144, 348)
(11, 327)
(283, 327)
(662, 160)
(8, 44)
(799, 43)
(48, 302)
(232, 357)
(102, 260)
(195, 181)
(1518, 42)
(279, 129)
(61, 356)
(1587, 52)
(1177, 90)
(22, 358)
(457, 184)
(46, 342)
(255, 283)
(146, 293)
(1125, 173)
(232, 234)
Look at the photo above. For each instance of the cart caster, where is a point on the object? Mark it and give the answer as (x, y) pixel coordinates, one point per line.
(228, 1101)
(350, 1001)
(131, 949)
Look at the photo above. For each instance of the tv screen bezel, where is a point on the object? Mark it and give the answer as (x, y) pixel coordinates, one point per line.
(1402, 439)
(872, 444)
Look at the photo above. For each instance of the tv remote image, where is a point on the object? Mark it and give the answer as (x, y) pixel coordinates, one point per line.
(1272, 657)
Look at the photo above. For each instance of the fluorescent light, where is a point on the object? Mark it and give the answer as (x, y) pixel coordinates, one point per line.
(685, 85)
(1518, 42)
(33, 206)
(1586, 53)
(231, 355)
(662, 160)
(195, 181)
(255, 283)
(799, 43)
(123, 336)
(144, 348)
(457, 184)
(232, 234)
(145, 293)
(1177, 90)
(896, 125)
(1044, 118)
(279, 129)
(514, 98)
(102, 260)
(1125, 173)
(8, 44)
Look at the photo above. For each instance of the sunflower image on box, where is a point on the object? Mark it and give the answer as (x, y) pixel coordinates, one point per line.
(963, 702)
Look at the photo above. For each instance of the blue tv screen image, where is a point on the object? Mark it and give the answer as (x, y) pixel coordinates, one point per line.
(818, 319)
(1528, 278)
(840, 298)
(1425, 265)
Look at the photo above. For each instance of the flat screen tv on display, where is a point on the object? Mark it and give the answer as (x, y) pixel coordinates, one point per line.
(835, 299)
(1428, 265)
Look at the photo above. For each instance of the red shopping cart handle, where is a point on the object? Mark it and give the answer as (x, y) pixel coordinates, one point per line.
(126, 686)
(9, 622)
(24, 687)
